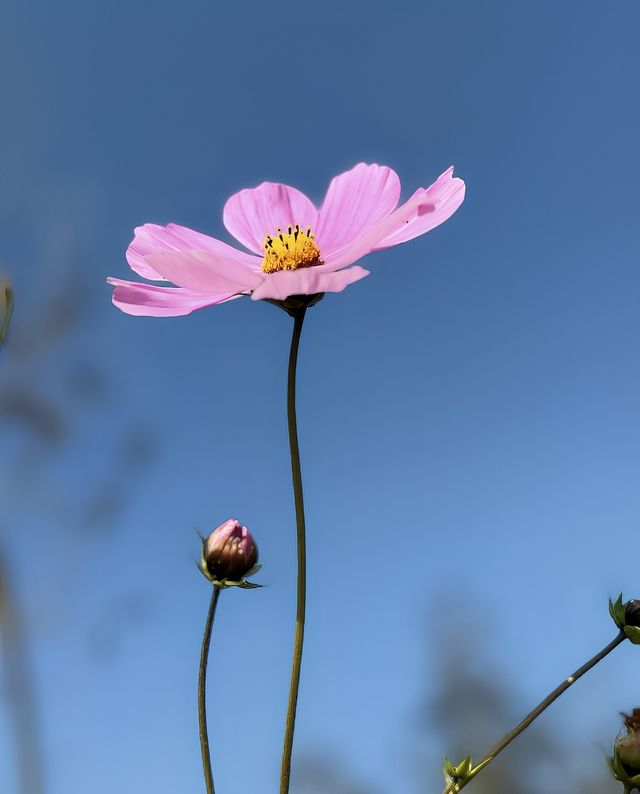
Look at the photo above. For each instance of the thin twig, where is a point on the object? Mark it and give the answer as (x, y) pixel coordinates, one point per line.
(202, 692)
(456, 786)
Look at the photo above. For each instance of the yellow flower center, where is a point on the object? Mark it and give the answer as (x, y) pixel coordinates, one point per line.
(289, 251)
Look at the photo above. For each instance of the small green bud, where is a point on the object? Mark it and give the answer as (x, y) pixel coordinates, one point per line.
(456, 774)
(626, 616)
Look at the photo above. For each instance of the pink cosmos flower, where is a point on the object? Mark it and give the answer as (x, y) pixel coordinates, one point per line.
(296, 248)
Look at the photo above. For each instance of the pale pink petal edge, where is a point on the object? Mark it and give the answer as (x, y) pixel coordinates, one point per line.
(151, 300)
(152, 238)
(306, 281)
(355, 201)
(447, 194)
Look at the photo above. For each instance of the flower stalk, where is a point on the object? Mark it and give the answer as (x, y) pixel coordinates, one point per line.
(202, 692)
(456, 783)
(301, 588)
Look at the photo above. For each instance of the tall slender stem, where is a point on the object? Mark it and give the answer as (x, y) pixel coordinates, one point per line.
(202, 692)
(290, 722)
(537, 711)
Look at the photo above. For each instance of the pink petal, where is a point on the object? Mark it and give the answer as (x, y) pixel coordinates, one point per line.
(446, 193)
(150, 300)
(254, 212)
(368, 242)
(204, 271)
(306, 281)
(151, 238)
(356, 201)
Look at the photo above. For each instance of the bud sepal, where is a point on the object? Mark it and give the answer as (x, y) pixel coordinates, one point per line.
(222, 583)
(457, 776)
(295, 303)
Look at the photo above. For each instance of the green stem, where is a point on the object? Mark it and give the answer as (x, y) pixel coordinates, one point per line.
(202, 692)
(537, 711)
(290, 722)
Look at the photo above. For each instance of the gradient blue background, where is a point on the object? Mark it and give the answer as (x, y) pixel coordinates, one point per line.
(468, 413)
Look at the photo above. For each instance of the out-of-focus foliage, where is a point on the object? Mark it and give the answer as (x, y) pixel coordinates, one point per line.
(19, 692)
(47, 385)
(326, 775)
(6, 309)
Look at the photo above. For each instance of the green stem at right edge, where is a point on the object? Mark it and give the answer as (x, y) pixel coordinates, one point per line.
(537, 711)
(202, 692)
(290, 723)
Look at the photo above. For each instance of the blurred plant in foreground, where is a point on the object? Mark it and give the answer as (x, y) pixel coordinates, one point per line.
(47, 384)
(6, 308)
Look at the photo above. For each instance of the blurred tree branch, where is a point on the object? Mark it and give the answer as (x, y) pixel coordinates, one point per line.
(46, 382)
(19, 687)
(6, 309)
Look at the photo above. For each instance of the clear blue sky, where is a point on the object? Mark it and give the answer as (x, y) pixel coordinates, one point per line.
(468, 413)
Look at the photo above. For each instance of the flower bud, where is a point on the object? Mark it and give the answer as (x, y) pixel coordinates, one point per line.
(625, 763)
(628, 747)
(632, 613)
(229, 553)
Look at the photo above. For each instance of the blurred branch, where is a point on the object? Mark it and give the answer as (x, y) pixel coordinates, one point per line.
(20, 690)
(323, 774)
(36, 413)
(6, 305)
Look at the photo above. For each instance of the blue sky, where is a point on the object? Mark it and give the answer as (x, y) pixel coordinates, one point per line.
(468, 413)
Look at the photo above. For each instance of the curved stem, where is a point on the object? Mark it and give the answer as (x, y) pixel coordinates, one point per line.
(537, 711)
(290, 722)
(202, 692)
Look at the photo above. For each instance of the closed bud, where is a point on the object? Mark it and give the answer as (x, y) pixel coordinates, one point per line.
(625, 763)
(229, 553)
(632, 613)
(628, 747)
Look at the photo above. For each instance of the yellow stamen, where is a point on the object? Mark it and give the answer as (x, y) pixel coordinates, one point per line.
(289, 251)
